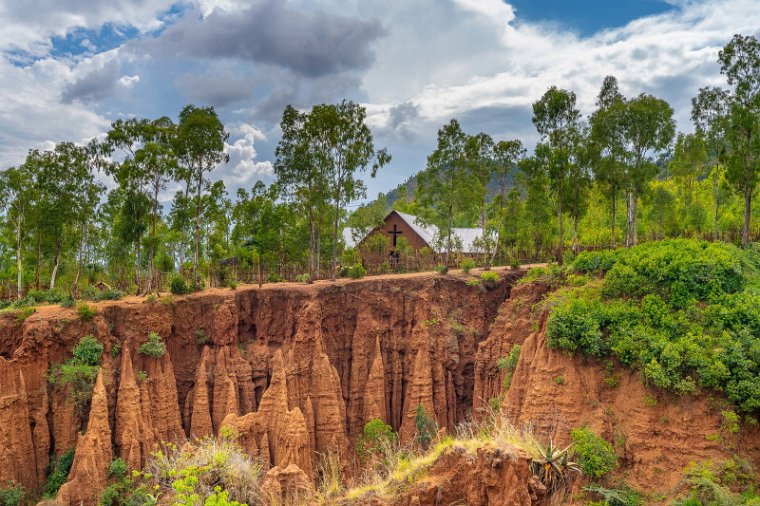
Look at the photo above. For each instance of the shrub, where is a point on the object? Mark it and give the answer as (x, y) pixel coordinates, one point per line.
(357, 271)
(118, 468)
(508, 364)
(303, 278)
(441, 269)
(426, 427)
(376, 436)
(23, 314)
(474, 283)
(178, 286)
(11, 494)
(153, 347)
(67, 302)
(200, 336)
(467, 265)
(58, 473)
(273, 277)
(595, 261)
(88, 351)
(232, 284)
(86, 312)
(595, 455)
(489, 277)
(109, 294)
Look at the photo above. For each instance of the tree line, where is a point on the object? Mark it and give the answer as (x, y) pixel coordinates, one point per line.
(618, 176)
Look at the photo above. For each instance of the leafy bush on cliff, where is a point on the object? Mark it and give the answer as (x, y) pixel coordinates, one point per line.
(86, 312)
(376, 436)
(58, 472)
(676, 310)
(11, 494)
(595, 455)
(79, 372)
(153, 347)
(508, 364)
(426, 427)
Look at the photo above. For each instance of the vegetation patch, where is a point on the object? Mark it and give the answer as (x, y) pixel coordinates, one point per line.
(595, 455)
(508, 364)
(154, 346)
(676, 310)
(78, 373)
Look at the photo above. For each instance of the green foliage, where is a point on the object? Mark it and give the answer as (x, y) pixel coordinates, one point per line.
(118, 468)
(179, 286)
(88, 351)
(507, 365)
(595, 261)
(426, 427)
(475, 283)
(729, 483)
(595, 455)
(24, 313)
(624, 496)
(11, 494)
(85, 312)
(78, 373)
(441, 269)
(489, 277)
(467, 265)
(376, 437)
(58, 472)
(200, 336)
(676, 310)
(153, 347)
(303, 278)
(357, 271)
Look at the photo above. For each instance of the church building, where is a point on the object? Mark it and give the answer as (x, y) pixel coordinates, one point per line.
(397, 225)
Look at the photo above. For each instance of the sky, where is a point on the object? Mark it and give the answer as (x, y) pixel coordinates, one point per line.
(68, 68)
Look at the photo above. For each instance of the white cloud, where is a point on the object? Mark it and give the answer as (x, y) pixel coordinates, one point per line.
(243, 168)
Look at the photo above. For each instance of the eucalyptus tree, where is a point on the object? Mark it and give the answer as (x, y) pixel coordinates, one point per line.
(149, 165)
(343, 146)
(557, 119)
(448, 185)
(301, 179)
(18, 194)
(606, 141)
(479, 150)
(200, 147)
(68, 196)
(740, 63)
(709, 112)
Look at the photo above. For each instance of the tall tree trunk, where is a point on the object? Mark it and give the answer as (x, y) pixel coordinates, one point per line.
(614, 219)
(54, 273)
(629, 218)
(335, 239)
(717, 205)
(138, 281)
(75, 284)
(196, 258)
(312, 242)
(19, 253)
(37, 266)
(576, 219)
(448, 238)
(747, 211)
(152, 251)
(560, 232)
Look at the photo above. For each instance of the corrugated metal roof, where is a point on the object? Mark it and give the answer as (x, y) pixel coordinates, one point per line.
(428, 233)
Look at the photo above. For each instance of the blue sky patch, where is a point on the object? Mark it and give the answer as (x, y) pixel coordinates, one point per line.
(587, 17)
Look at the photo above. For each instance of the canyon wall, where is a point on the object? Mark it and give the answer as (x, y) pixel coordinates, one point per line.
(294, 369)
(298, 369)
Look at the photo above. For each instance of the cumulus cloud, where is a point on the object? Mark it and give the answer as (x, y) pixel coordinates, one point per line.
(217, 90)
(312, 44)
(243, 168)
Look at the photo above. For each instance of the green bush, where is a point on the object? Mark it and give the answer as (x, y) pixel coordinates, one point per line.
(675, 310)
(79, 372)
(303, 278)
(508, 364)
(153, 347)
(88, 351)
(441, 269)
(376, 436)
(58, 473)
(595, 261)
(118, 468)
(426, 427)
(178, 286)
(467, 265)
(85, 312)
(273, 277)
(357, 271)
(489, 277)
(11, 494)
(595, 455)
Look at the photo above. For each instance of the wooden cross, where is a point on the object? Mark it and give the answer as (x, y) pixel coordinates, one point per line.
(395, 234)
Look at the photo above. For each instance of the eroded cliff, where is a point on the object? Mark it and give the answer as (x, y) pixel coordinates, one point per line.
(295, 369)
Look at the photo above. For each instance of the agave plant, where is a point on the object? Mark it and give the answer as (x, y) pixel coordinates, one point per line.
(552, 465)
